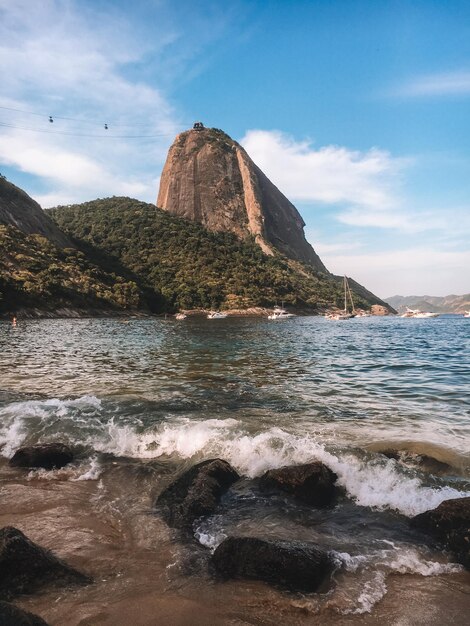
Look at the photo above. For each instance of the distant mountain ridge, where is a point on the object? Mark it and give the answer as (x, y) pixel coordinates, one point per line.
(434, 304)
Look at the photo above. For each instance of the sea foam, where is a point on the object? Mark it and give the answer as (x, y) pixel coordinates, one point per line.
(25, 421)
(372, 481)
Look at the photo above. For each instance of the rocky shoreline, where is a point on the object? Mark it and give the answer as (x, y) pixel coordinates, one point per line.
(293, 566)
(80, 313)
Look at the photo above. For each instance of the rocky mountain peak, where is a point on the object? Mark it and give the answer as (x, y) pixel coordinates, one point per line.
(209, 178)
(21, 211)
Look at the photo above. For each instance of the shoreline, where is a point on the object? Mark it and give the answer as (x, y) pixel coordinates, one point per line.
(105, 525)
(76, 313)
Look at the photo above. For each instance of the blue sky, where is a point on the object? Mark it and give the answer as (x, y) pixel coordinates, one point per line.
(357, 110)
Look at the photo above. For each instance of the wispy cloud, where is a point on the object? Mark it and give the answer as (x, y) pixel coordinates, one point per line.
(444, 84)
(329, 174)
(60, 58)
(418, 269)
(454, 222)
(362, 189)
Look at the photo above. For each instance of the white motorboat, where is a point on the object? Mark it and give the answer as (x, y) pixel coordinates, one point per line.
(181, 316)
(345, 314)
(216, 315)
(279, 313)
(417, 314)
(466, 314)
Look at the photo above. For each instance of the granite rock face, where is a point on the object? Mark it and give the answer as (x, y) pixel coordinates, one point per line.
(20, 210)
(209, 178)
(292, 565)
(380, 310)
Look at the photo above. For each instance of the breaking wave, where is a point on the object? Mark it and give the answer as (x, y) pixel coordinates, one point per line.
(370, 480)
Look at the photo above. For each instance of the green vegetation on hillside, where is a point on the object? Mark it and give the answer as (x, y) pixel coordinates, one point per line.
(187, 265)
(34, 273)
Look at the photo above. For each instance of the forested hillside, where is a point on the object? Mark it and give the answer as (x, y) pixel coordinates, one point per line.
(36, 274)
(189, 266)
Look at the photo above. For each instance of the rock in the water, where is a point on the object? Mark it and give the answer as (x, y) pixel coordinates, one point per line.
(45, 455)
(196, 493)
(26, 567)
(11, 615)
(449, 523)
(423, 461)
(292, 565)
(379, 309)
(313, 483)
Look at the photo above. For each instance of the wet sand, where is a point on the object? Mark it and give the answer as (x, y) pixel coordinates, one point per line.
(144, 575)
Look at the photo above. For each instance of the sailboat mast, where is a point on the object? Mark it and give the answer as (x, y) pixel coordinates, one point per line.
(350, 295)
(345, 299)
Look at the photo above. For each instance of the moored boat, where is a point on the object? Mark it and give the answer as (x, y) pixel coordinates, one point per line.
(345, 314)
(279, 313)
(216, 315)
(417, 314)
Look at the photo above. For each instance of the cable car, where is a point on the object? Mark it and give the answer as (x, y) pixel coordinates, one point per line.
(50, 119)
(198, 126)
(106, 127)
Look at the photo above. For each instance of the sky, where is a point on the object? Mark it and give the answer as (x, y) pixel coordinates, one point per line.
(358, 110)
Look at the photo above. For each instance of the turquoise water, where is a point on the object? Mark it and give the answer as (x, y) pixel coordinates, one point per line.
(159, 395)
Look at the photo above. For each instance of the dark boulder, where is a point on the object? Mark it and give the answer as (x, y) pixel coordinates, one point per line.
(11, 615)
(292, 565)
(46, 455)
(391, 454)
(449, 523)
(26, 567)
(423, 461)
(196, 493)
(313, 483)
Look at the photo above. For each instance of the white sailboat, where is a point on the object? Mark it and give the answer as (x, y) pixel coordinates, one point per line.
(345, 315)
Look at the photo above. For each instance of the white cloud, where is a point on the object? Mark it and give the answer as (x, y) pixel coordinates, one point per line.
(423, 269)
(57, 59)
(324, 249)
(448, 222)
(329, 174)
(362, 189)
(444, 84)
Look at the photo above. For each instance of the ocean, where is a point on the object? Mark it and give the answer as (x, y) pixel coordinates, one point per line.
(383, 402)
